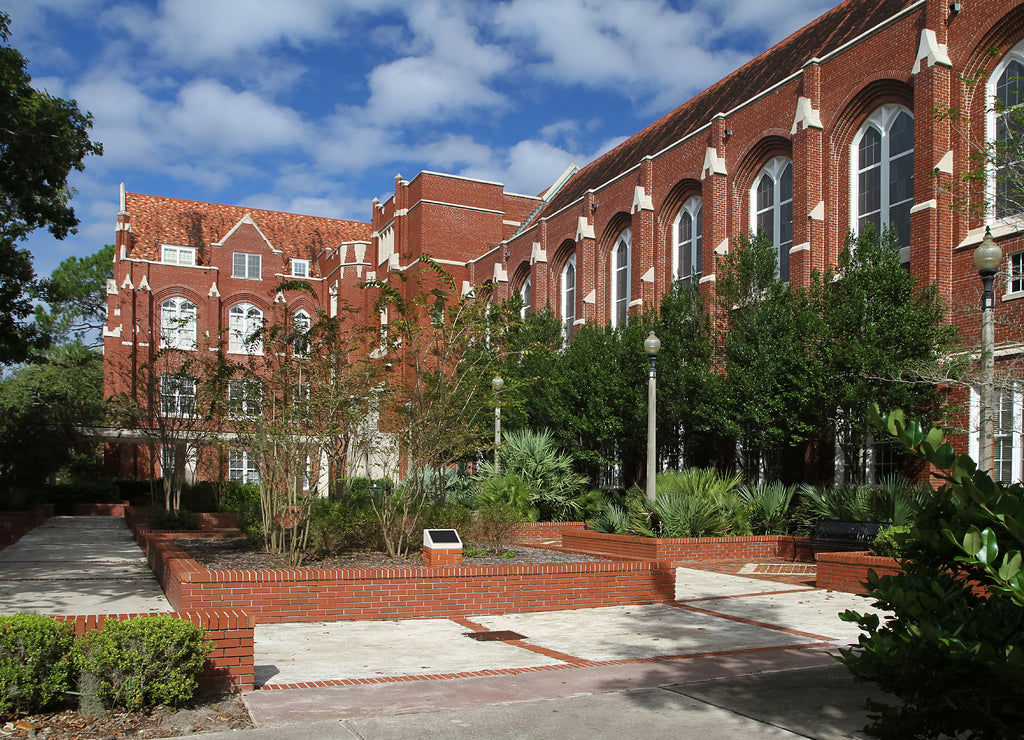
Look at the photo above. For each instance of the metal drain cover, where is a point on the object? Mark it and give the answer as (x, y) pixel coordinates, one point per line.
(495, 635)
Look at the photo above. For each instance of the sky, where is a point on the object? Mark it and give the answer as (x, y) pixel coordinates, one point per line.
(313, 106)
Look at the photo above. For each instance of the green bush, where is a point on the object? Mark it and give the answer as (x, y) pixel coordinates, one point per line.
(769, 506)
(35, 662)
(144, 661)
(175, 520)
(345, 524)
(511, 491)
(891, 542)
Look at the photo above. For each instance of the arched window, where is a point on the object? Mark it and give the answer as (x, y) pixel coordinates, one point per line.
(1006, 90)
(177, 324)
(687, 234)
(621, 274)
(244, 320)
(524, 293)
(772, 198)
(569, 298)
(883, 172)
(301, 324)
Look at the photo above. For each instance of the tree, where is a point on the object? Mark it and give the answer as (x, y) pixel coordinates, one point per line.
(42, 408)
(298, 404)
(42, 138)
(773, 376)
(76, 298)
(878, 330)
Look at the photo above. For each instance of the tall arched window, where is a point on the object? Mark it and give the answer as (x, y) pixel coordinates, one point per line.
(569, 297)
(301, 323)
(177, 324)
(687, 233)
(244, 320)
(1006, 90)
(883, 172)
(772, 197)
(621, 274)
(524, 294)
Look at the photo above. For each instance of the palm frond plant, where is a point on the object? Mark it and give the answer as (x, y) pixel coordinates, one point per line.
(769, 506)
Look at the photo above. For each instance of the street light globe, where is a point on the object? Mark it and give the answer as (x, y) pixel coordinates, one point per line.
(497, 384)
(651, 345)
(987, 255)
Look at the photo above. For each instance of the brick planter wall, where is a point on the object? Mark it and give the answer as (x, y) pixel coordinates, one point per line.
(229, 665)
(309, 594)
(847, 571)
(546, 533)
(100, 509)
(16, 524)
(630, 547)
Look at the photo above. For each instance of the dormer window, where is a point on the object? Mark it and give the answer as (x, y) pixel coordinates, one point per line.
(246, 266)
(172, 255)
(300, 268)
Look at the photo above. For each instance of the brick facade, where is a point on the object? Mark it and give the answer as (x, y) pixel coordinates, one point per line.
(807, 99)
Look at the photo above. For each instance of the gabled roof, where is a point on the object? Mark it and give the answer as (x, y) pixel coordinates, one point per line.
(840, 25)
(156, 220)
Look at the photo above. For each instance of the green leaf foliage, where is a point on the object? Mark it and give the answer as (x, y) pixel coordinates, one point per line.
(35, 662)
(144, 661)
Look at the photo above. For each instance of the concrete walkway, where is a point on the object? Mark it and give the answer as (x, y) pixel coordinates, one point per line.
(733, 655)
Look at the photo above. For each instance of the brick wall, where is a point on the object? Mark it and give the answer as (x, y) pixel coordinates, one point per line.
(15, 524)
(695, 548)
(230, 631)
(100, 509)
(847, 571)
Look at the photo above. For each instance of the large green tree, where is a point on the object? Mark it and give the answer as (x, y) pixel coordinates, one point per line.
(42, 139)
(75, 295)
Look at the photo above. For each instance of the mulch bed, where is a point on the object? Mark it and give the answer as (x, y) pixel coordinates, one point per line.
(239, 554)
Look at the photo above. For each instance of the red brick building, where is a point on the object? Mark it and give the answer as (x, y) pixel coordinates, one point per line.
(832, 128)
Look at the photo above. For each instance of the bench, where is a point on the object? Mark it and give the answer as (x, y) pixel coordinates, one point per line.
(835, 535)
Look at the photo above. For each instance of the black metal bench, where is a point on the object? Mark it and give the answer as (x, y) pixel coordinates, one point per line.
(835, 535)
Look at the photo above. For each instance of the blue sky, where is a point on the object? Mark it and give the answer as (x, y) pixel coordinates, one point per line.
(313, 106)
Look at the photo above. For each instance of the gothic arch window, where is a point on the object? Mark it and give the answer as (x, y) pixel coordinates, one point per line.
(244, 320)
(178, 324)
(772, 209)
(687, 238)
(882, 176)
(568, 297)
(524, 294)
(1006, 92)
(621, 266)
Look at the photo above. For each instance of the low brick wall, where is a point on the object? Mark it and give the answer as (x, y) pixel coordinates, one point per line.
(100, 509)
(309, 594)
(630, 547)
(16, 524)
(546, 533)
(229, 666)
(847, 571)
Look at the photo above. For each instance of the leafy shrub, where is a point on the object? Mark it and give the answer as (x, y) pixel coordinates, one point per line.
(510, 491)
(35, 662)
(612, 519)
(178, 520)
(345, 524)
(497, 525)
(449, 516)
(769, 506)
(144, 661)
(890, 542)
(952, 651)
(894, 499)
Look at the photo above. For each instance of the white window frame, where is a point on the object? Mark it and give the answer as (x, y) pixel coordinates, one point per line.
(882, 122)
(300, 268)
(1014, 275)
(242, 467)
(1016, 54)
(245, 397)
(688, 250)
(1009, 441)
(567, 295)
(246, 266)
(178, 323)
(171, 254)
(177, 395)
(621, 277)
(775, 168)
(244, 319)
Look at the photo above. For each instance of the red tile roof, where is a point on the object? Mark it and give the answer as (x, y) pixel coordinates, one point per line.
(838, 26)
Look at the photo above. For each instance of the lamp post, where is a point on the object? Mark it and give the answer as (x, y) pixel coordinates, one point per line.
(651, 346)
(987, 257)
(497, 384)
